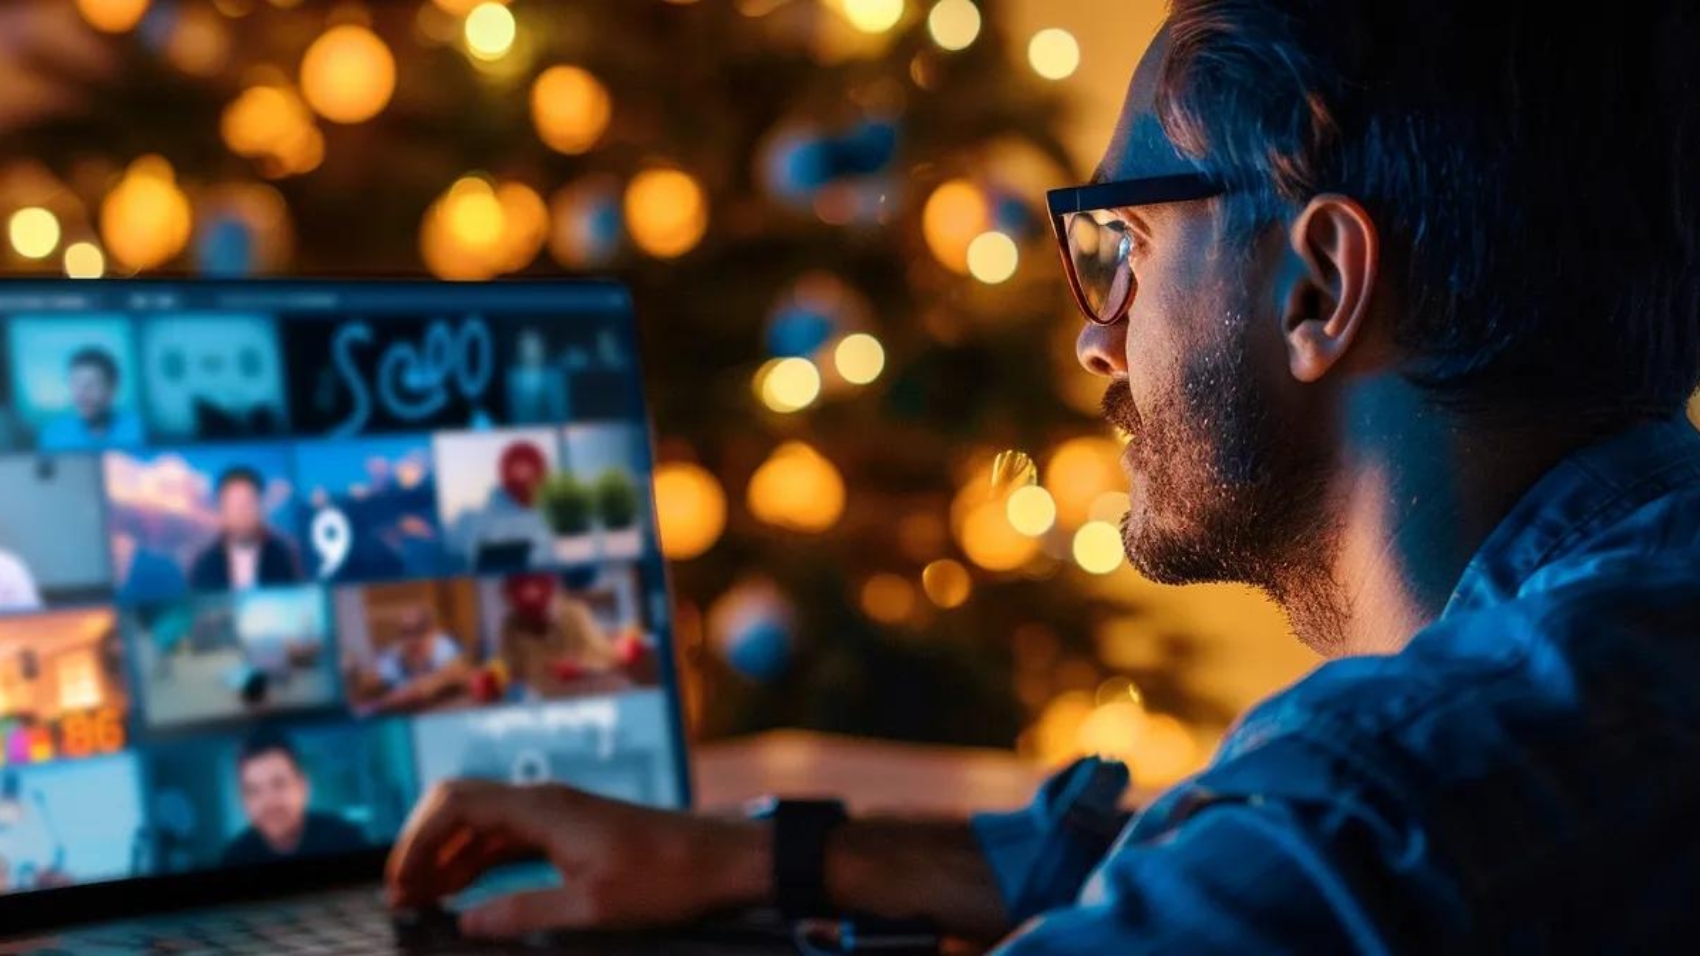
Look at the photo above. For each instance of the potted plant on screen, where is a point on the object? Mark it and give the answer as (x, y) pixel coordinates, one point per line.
(616, 500)
(567, 505)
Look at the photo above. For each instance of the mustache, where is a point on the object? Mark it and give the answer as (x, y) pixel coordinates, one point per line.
(1119, 409)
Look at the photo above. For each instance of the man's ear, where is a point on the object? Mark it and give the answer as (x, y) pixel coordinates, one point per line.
(1337, 256)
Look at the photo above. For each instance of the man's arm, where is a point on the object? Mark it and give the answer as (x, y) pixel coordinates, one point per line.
(891, 867)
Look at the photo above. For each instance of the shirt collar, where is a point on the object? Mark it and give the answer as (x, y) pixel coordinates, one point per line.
(1584, 494)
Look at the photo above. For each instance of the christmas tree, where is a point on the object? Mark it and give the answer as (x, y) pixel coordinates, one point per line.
(830, 213)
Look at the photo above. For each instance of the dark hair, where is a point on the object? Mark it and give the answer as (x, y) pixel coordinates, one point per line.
(239, 475)
(98, 358)
(1535, 177)
(266, 741)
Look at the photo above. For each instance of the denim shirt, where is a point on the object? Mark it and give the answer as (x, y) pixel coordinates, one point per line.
(1524, 776)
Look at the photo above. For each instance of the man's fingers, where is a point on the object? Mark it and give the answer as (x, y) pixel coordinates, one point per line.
(562, 908)
(449, 820)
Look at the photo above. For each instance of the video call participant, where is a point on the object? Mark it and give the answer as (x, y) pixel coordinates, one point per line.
(550, 643)
(17, 585)
(246, 552)
(421, 667)
(275, 794)
(92, 421)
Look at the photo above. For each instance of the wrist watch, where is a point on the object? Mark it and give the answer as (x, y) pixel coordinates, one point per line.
(800, 832)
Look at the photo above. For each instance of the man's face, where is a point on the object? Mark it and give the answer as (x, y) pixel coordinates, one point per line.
(91, 392)
(416, 638)
(274, 796)
(239, 511)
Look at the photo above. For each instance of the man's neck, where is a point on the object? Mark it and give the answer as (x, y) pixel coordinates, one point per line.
(287, 843)
(1420, 491)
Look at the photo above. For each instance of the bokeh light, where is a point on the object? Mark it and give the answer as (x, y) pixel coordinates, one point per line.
(947, 583)
(860, 358)
(271, 124)
(1113, 730)
(348, 74)
(1031, 510)
(199, 43)
(112, 16)
(490, 30)
(84, 260)
(873, 16)
(1054, 53)
(666, 212)
(145, 220)
(474, 215)
(1079, 472)
(690, 509)
(993, 257)
(955, 213)
(954, 24)
(889, 598)
(34, 232)
(1098, 547)
(525, 226)
(460, 8)
(798, 489)
(981, 523)
(570, 109)
(789, 384)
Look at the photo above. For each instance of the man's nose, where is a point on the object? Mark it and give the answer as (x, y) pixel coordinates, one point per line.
(1102, 349)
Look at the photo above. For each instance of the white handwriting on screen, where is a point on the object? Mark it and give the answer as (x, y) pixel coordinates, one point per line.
(599, 718)
(413, 381)
(332, 535)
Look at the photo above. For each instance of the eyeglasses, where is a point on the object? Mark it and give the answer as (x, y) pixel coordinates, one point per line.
(1094, 240)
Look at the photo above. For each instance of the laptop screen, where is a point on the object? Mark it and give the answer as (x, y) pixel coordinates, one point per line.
(274, 557)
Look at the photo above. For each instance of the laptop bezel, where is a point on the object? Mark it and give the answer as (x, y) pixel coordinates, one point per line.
(47, 910)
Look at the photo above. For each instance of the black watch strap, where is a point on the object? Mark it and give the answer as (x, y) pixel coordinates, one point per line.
(800, 832)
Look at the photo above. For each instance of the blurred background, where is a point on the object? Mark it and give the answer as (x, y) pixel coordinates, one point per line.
(831, 215)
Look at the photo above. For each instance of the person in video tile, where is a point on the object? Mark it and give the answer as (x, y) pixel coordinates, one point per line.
(275, 794)
(246, 552)
(93, 420)
(422, 664)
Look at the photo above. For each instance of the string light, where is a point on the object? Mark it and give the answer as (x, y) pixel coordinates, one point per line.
(859, 358)
(490, 30)
(348, 74)
(145, 220)
(947, 583)
(1098, 547)
(789, 384)
(473, 213)
(798, 489)
(873, 16)
(888, 598)
(690, 510)
(1079, 472)
(983, 529)
(34, 232)
(992, 257)
(954, 24)
(84, 260)
(1031, 510)
(666, 212)
(1054, 53)
(112, 16)
(570, 109)
(953, 216)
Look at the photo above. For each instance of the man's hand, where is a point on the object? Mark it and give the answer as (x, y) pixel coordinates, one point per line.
(622, 865)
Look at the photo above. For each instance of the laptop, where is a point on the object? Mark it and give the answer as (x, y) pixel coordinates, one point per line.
(276, 556)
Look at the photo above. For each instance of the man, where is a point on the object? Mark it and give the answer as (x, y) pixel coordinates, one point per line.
(275, 795)
(1397, 301)
(420, 667)
(246, 553)
(92, 421)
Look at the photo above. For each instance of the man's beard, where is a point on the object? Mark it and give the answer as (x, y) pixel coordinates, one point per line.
(1229, 495)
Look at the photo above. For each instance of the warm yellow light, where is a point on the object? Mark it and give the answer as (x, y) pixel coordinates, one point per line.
(666, 212)
(1055, 737)
(570, 109)
(1081, 471)
(1165, 753)
(112, 16)
(1110, 506)
(200, 43)
(473, 213)
(145, 220)
(690, 510)
(954, 24)
(873, 16)
(490, 31)
(260, 119)
(459, 8)
(955, 213)
(947, 583)
(992, 257)
(888, 598)
(1053, 53)
(860, 358)
(1098, 547)
(982, 528)
(1031, 510)
(1114, 730)
(797, 488)
(790, 384)
(84, 260)
(525, 226)
(34, 232)
(348, 74)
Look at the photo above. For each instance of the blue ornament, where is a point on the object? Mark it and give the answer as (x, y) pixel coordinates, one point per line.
(760, 650)
(797, 166)
(798, 331)
(1010, 215)
(225, 249)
